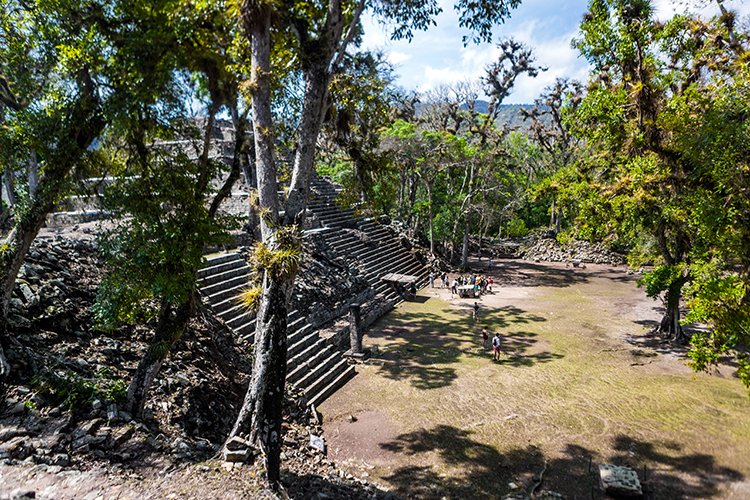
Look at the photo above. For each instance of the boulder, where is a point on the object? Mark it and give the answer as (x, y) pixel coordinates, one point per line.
(619, 481)
(237, 443)
(237, 456)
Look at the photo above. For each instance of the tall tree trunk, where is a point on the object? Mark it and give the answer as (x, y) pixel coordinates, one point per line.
(263, 402)
(401, 187)
(465, 246)
(670, 323)
(33, 174)
(260, 414)
(432, 216)
(170, 328)
(412, 198)
(454, 233)
(10, 187)
(234, 173)
(482, 229)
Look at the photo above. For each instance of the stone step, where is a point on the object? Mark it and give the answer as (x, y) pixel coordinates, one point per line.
(343, 239)
(378, 231)
(229, 293)
(378, 251)
(293, 361)
(311, 363)
(390, 264)
(294, 321)
(336, 217)
(232, 312)
(223, 276)
(211, 290)
(385, 251)
(300, 339)
(242, 318)
(322, 210)
(246, 330)
(342, 378)
(220, 267)
(350, 246)
(319, 370)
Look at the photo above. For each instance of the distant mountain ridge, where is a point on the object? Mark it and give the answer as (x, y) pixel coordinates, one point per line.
(509, 115)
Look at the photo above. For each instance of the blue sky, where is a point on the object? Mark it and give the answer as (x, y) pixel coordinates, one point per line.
(438, 57)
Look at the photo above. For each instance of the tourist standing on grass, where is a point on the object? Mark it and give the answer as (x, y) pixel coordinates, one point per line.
(476, 312)
(496, 347)
(485, 337)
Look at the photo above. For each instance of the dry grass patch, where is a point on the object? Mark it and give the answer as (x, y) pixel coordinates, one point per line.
(574, 386)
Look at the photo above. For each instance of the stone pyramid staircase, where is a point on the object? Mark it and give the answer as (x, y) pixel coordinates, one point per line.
(313, 365)
(363, 242)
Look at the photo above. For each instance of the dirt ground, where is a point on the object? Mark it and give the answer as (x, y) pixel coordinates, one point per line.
(580, 383)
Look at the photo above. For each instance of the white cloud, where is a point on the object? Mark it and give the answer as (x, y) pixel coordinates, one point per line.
(437, 57)
(396, 57)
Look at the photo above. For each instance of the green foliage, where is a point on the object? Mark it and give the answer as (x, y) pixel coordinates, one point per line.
(250, 297)
(156, 247)
(660, 278)
(665, 122)
(284, 260)
(719, 299)
(515, 228)
(66, 387)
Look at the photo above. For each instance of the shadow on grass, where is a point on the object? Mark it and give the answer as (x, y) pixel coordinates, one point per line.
(520, 273)
(478, 470)
(531, 274)
(422, 346)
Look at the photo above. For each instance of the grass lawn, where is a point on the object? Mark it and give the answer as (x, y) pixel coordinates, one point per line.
(579, 384)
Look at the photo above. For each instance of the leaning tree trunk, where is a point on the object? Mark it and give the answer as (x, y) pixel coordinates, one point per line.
(88, 124)
(171, 326)
(17, 245)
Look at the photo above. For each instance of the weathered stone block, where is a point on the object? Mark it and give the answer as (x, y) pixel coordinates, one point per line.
(619, 481)
(237, 443)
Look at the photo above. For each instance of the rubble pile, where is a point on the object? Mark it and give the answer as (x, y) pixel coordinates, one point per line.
(549, 250)
(62, 409)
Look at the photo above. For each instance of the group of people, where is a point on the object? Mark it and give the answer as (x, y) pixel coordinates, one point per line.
(482, 284)
(495, 343)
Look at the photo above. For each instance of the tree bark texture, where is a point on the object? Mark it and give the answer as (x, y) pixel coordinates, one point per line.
(257, 20)
(260, 414)
(670, 324)
(465, 245)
